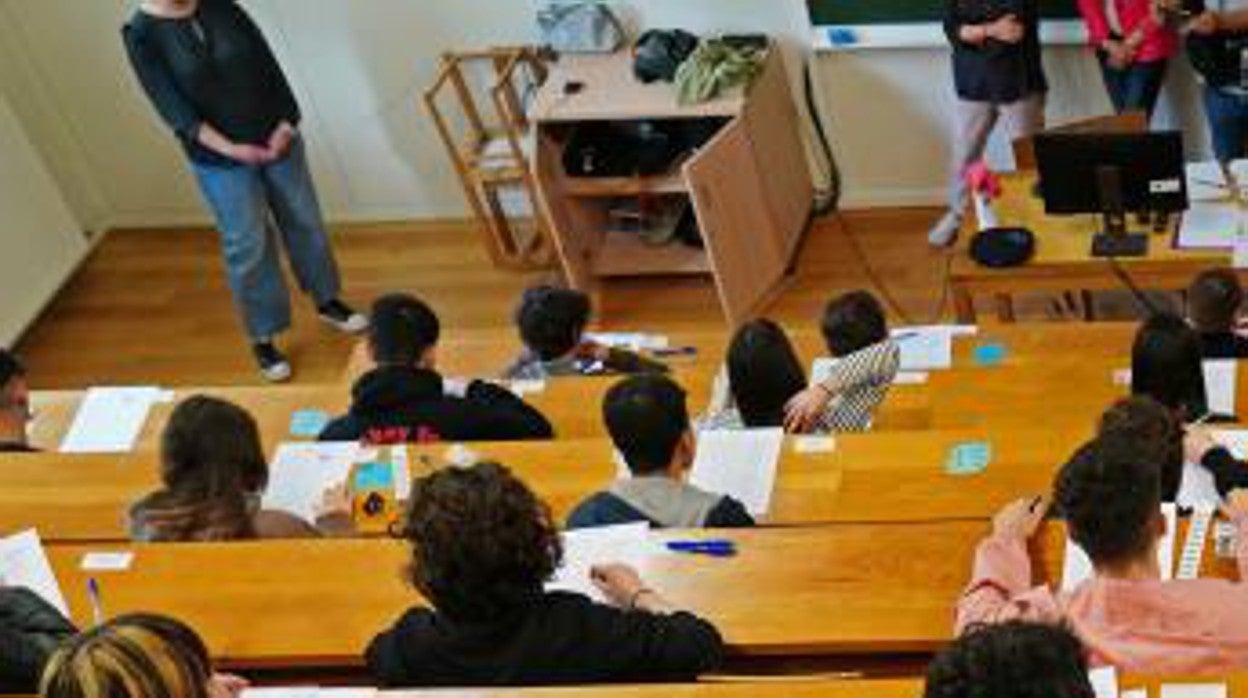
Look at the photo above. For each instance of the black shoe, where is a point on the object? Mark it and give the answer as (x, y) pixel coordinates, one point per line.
(273, 363)
(342, 318)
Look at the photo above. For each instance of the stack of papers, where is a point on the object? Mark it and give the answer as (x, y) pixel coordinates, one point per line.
(23, 563)
(627, 544)
(1221, 380)
(111, 419)
(1104, 682)
(301, 472)
(740, 464)
(1214, 219)
(930, 347)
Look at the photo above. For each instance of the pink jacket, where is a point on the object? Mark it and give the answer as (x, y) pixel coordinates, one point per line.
(1196, 627)
(1160, 41)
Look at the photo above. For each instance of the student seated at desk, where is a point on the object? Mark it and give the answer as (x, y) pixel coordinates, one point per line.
(404, 399)
(1213, 303)
(762, 375)
(1125, 614)
(137, 656)
(14, 405)
(1011, 660)
(552, 325)
(213, 473)
(30, 629)
(1166, 365)
(483, 546)
(856, 333)
(648, 420)
(1151, 425)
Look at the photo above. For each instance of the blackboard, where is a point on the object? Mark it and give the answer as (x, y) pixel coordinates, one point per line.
(858, 12)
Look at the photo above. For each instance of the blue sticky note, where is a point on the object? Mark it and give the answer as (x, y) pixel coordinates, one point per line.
(374, 476)
(969, 458)
(989, 354)
(308, 423)
(842, 36)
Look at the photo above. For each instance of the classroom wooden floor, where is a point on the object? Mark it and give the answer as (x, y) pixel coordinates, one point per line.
(152, 307)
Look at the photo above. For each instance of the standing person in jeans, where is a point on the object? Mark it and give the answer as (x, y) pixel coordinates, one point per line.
(1134, 45)
(214, 80)
(998, 75)
(1217, 39)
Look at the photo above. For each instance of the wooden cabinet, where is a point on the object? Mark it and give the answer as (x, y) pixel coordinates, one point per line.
(748, 183)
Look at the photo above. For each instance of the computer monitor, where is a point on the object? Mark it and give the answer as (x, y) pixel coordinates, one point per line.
(1112, 174)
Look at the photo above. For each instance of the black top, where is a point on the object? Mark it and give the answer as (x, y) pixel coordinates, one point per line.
(563, 639)
(214, 67)
(30, 630)
(1228, 473)
(1223, 345)
(994, 71)
(400, 404)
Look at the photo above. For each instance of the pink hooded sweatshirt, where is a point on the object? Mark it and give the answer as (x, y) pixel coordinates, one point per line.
(1190, 627)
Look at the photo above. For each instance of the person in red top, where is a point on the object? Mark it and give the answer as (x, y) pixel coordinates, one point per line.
(1134, 44)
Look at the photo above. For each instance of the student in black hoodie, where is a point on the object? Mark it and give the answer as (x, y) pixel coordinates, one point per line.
(483, 545)
(404, 400)
(1213, 303)
(14, 405)
(30, 629)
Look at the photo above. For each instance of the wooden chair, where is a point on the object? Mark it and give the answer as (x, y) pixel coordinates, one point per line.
(1025, 159)
(490, 150)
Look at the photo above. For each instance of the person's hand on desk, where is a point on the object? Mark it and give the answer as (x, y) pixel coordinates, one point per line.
(804, 409)
(1020, 519)
(226, 686)
(334, 510)
(624, 589)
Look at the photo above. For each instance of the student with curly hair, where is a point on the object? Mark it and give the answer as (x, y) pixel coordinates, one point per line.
(552, 324)
(483, 546)
(1011, 660)
(1125, 614)
(137, 656)
(213, 474)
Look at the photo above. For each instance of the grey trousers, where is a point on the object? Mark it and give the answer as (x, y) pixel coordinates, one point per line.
(975, 121)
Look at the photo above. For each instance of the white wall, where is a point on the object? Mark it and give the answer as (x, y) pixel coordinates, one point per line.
(38, 234)
(359, 65)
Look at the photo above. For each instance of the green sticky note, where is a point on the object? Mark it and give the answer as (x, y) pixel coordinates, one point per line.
(969, 458)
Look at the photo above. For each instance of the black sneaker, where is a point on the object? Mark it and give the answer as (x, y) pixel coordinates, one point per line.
(341, 317)
(273, 363)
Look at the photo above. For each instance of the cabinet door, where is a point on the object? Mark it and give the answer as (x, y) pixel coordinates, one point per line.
(727, 192)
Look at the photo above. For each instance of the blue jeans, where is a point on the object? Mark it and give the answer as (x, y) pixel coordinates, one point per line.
(243, 198)
(1228, 122)
(1137, 87)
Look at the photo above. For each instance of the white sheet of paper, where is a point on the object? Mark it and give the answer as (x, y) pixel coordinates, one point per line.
(1077, 566)
(741, 464)
(821, 369)
(1134, 693)
(1210, 225)
(527, 387)
(1194, 545)
(282, 692)
(1104, 682)
(109, 420)
(814, 444)
(1197, 488)
(107, 562)
(1193, 690)
(628, 544)
(23, 563)
(1220, 384)
(1206, 182)
(302, 471)
(1235, 441)
(1122, 377)
(925, 348)
(911, 378)
(633, 341)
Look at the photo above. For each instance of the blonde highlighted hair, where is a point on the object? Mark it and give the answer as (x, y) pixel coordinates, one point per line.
(132, 656)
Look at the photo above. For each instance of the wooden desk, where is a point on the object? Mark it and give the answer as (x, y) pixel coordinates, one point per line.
(886, 477)
(781, 686)
(1063, 260)
(749, 183)
(834, 591)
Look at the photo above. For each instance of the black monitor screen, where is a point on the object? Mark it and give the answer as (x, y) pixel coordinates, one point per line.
(1150, 169)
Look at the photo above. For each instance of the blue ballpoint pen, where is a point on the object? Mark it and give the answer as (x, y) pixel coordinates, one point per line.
(713, 548)
(93, 594)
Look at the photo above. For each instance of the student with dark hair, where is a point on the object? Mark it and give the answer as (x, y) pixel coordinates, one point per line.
(213, 474)
(30, 629)
(1125, 614)
(762, 374)
(403, 399)
(483, 547)
(1011, 660)
(1213, 303)
(1166, 365)
(552, 324)
(648, 420)
(856, 333)
(137, 656)
(14, 405)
